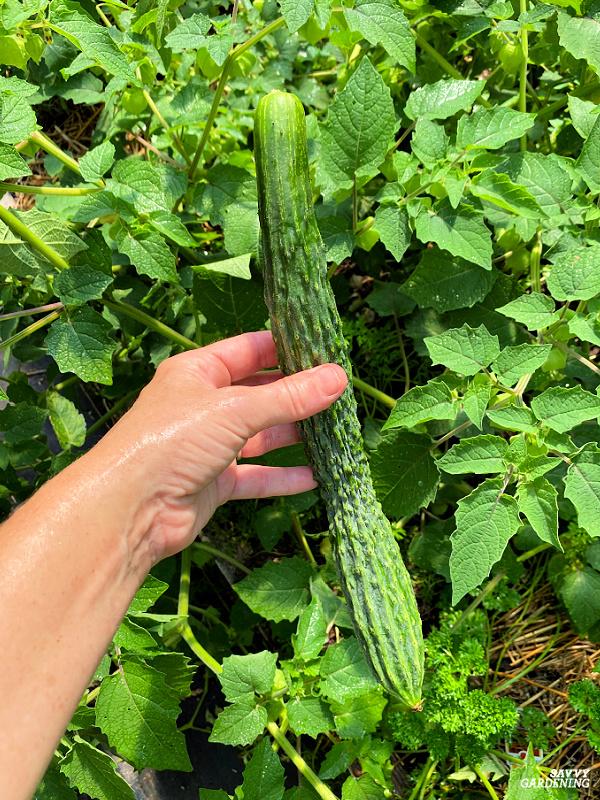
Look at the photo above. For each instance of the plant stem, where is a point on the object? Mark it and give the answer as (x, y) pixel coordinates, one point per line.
(183, 607)
(235, 53)
(158, 327)
(66, 191)
(534, 263)
(207, 548)
(523, 69)
(179, 146)
(54, 150)
(320, 788)
(29, 312)
(534, 551)
(483, 778)
(32, 239)
(35, 326)
(423, 779)
(487, 589)
(299, 531)
(384, 399)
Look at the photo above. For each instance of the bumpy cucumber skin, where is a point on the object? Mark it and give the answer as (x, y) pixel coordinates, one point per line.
(308, 331)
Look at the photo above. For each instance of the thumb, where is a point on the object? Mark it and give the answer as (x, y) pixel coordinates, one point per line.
(293, 398)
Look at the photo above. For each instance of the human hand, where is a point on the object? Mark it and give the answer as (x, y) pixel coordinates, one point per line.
(202, 410)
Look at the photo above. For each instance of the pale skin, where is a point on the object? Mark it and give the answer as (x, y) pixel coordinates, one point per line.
(73, 556)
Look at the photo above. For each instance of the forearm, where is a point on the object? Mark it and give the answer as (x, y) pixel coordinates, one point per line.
(71, 559)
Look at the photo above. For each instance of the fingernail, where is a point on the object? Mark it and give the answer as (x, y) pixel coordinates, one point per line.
(331, 379)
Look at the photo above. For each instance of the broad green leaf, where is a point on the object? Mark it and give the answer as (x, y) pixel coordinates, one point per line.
(67, 421)
(344, 671)
(479, 454)
(229, 304)
(149, 254)
(94, 773)
(497, 188)
(140, 184)
(420, 404)
(311, 633)
(94, 40)
(358, 132)
(513, 418)
(582, 487)
(584, 114)
(586, 328)
(295, 12)
(147, 595)
(528, 782)
(476, 399)
(277, 591)
(172, 228)
(339, 757)
(17, 118)
(562, 409)
(11, 163)
(21, 422)
(310, 716)
(178, 670)
(521, 359)
(580, 36)
(138, 712)
(462, 231)
(244, 676)
(429, 142)
(97, 161)
(363, 788)
(534, 310)
(226, 185)
(465, 350)
(394, 230)
(383, 22)
(134, 638)
(537, 500)
(546, 177)
(236, 267)
(54, 786)
(77, 285)
(579, 590)
(446, 284)
(404, 472)
(588, 162)
(442, 99)
(240, 228)
(576, 275)
(263, 774)
(389, 299)
(189, 34)
(80, 342)
(491, 128)
(338, 238)
(486, 519)
(239, 724)
(360, 715)
(214, 794)
(3, 395)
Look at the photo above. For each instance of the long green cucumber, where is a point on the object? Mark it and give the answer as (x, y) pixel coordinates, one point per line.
(308, 331)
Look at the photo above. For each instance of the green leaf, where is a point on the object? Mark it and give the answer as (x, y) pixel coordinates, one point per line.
(339, 757)
(383, 22)
(479, 454)
(358, 132)
(442, 99)
(92, 772)
(263, 774)
(588, 163)
(236, 267)
(77, 285)
(546, 177)
(445, 284)
(189, 34)
(363, 788)
(580, 35)
(311, 634)
(93, 39)
(562, 409)
(21, 422)
(485, 521)
(277, 591)
(229, 304)
(584, 114)
(97, 161)
(535, 310)
(582, 487)
(134, 638)
(226, 185)
(244, 676)
(344, 671)
(465, 350)
(404, 473)
(68, 423)
(576, 275)
(476, 399)
(178, 671)
(586, 328)
(240, 228)
(147, 595)
(388, 299)
(462, 231)
(172, 228)
(394, 231)
(530, 783)
(239, 724)
(513, 418)
(429, 142)
(54, 786)
(17, 118)
(537, 500)
(521, 359)
(360, 715)
(11, 163)
(492, 128)
(140, 184)
(497, 188)
(420, 404)
(80, 342)
(295, 12)
(138, 712)
(149, 254)
(310, 716)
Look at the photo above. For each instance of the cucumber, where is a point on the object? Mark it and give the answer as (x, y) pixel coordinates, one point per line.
(308, 331)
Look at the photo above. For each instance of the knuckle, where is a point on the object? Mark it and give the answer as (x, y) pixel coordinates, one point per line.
(294, 398)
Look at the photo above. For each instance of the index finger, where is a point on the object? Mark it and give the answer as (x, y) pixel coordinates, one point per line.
(230, 360)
